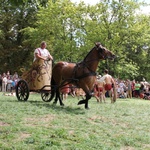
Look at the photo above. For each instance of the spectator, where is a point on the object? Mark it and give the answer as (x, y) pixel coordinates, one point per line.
(15, 79)
(4, 82)
(9, 83)
(141, 90)
(147, 92)
(122, 87)
(0, 82)
(137, 89)
(8, 74)
(133, 88)
(120, 91)
(129, 89)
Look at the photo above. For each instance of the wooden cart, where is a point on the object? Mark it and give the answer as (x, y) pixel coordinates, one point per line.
(37, 79)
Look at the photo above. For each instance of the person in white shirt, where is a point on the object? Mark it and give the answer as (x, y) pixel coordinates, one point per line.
(42, 52)
(4, 82)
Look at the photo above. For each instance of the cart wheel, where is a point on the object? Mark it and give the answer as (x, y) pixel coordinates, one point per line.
(22, 90)
(45, 96)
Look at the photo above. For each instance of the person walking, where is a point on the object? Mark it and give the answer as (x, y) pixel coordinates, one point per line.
(109, 85)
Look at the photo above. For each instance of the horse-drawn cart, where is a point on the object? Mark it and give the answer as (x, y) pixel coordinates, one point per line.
(82, 75)
(37, 79)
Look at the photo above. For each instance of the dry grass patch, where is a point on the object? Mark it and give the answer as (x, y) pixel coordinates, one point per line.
(23, 136)
(127, 148)
(44, 120)
(4, 124)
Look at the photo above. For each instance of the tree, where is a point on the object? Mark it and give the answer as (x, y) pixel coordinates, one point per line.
(61, 27)
(15, 16)
(71, 30)
(120, 29)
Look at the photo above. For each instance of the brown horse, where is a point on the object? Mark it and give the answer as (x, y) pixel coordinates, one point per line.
(82, 74)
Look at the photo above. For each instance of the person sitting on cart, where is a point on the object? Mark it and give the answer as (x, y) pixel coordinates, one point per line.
(42, 53)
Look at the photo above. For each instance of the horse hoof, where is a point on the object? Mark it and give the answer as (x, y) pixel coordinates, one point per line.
(62, 104)
(87, 108)
(81, 102)
(54, 103)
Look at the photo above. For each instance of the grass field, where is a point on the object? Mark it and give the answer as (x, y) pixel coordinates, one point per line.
(37, 125)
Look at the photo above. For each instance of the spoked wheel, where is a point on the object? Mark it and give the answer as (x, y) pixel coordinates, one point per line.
(45, 96)
(22, 90)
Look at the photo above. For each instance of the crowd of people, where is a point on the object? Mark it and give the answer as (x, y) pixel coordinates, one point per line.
(125, 89)
(8, 81)
(105, 85)
(130, 89)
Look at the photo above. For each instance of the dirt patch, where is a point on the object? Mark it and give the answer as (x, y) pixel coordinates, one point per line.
(45, 120)
(127, 148)
(24, 135)
(97, 119)
(146, 146)
(94, 119)
(3, 124)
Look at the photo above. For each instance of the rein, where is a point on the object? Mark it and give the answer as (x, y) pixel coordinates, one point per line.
(76, 79)
(83, 64)
(84, 75)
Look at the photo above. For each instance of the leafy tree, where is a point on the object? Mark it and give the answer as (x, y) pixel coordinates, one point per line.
(15, 16)
(120, 30)
(71, 30)
(61, 28)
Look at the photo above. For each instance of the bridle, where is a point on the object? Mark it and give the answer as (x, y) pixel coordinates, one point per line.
(84, 64)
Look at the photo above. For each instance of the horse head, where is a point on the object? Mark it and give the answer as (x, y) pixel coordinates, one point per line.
(103, 52)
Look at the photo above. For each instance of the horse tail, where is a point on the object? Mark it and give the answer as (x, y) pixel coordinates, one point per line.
(53, 88)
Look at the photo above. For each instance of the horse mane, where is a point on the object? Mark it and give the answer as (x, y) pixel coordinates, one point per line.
(88, 53)
(82, 61)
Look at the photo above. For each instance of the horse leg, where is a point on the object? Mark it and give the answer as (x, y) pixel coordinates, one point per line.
(56, 97)
(60, 99)
(85, 101)
(88, 96)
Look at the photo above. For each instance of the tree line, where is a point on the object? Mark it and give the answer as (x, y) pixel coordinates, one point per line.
(71, 29)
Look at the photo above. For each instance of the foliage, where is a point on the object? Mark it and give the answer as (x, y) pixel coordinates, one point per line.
(71, 30)
(15, 16)
(38, 125)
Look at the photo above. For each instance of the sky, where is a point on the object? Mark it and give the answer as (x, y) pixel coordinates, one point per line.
(145, 10)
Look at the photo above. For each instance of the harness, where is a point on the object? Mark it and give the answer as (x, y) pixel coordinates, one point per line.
(75, 78)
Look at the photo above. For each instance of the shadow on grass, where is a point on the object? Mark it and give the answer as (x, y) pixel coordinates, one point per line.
(57, 107)
(123, 99)
(73, 109)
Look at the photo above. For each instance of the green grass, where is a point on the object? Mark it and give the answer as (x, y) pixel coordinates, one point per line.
(37, 125)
